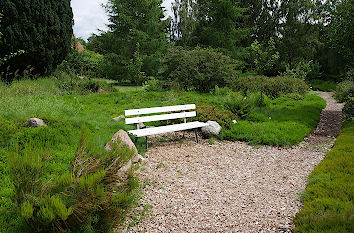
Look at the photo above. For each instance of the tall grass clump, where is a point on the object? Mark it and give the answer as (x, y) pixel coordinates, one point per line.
(328, 198)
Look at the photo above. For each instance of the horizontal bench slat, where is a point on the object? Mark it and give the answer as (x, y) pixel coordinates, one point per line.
(134, 112)
(171, 116)
(167, 129)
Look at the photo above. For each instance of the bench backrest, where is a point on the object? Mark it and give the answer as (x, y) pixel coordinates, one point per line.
(143, 111)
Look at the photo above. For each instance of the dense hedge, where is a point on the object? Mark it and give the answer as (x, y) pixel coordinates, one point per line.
(328, 199)
(271, 86)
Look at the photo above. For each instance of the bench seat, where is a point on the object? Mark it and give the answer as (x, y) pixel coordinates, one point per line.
(166, 129)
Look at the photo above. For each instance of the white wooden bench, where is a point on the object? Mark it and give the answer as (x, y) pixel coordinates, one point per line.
(180, 111)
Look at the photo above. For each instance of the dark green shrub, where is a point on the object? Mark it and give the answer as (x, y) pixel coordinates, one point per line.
(348, 110)
(344, 91)
(271, 86)
(323, 85)
(199, 69)
(212, 113)
(257, 117)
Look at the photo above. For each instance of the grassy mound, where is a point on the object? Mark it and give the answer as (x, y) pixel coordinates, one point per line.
(328, 199)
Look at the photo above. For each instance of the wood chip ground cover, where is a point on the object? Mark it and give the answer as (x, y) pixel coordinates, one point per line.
(230, 186)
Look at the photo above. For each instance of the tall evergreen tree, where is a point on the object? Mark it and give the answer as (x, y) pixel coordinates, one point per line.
(42, 28)
(138, 37)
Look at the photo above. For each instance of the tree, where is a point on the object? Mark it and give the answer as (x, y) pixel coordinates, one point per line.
(43, 29)
(137, 37)
(341, 30)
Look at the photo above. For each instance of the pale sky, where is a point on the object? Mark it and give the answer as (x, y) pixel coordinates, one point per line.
(89, 16)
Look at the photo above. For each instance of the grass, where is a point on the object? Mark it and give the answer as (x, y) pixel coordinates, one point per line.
(65, 115)
(328, 198)
(285, 122)
(323, 85)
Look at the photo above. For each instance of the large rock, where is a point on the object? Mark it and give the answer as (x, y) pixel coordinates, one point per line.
(212, 129)
(125, 139)
(35, 122)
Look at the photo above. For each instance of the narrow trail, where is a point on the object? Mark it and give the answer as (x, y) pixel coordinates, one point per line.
(231, 186)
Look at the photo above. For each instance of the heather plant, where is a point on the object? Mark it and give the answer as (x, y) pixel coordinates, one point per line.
(92, 193)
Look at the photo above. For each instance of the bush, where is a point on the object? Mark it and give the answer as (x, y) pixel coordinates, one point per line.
(87, 196)
(328, 198)
(212, 113)
(84, 63)
(348, 110)
(199, 69)
(265, 57)
(152, 84)
(242, 105)
(323, 85)
(270, 86)
(344, 91)
(304, 70)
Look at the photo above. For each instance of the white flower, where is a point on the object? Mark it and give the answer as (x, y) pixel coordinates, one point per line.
(234, 121)
(269, 118)
(74, 98)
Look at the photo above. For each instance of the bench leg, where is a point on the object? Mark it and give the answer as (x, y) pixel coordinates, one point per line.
(147, 145)
(196, 136)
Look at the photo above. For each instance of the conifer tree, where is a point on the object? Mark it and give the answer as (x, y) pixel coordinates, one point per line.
(42, 28)
(137, 37)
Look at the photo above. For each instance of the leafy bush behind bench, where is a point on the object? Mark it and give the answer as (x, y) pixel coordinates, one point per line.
(271, 86)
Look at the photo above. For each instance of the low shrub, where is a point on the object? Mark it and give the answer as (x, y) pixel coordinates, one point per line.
(213, 113)
(348, 110)
(323, 85)
(270, 86)
(199, 69)
(328, 198)
(304, 70)
(344, 91)
(242, 105)
(87, 196)
(152, 84)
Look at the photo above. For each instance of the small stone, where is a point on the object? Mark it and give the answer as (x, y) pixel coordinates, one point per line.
(118, 118)
(142, 126)
(35, 122)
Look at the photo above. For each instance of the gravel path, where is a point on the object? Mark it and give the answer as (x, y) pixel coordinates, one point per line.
(230, 186)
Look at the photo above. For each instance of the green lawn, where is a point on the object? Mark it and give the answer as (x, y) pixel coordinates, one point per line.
(328, 199)
(290, 121)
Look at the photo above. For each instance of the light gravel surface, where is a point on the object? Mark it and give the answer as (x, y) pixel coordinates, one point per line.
(229, 186)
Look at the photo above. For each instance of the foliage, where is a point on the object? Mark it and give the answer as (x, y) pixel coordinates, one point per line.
(302, 70)
(285, 122)
(265, 57)
(270, 86)
(341, 30)
(84, 63)
(328, 203)
(42, 29)
(217, 24)
(242, 105)
(348, 110)
(323, 85)
(213, 113)
(344, 91)
(89, 190)
(199, 69)
(152, 84)
(136, 37)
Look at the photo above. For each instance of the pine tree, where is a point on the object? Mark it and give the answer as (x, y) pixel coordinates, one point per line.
(42, 28)
(138, 37)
